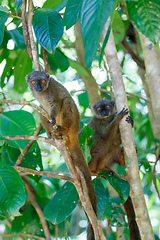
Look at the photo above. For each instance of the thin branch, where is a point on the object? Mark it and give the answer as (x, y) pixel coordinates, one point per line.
(109, 80)
(25, 29)
(16, 15)
(31, 236)
(138, 60)
(104, 90)
(29, 103)
(45, 59)
(51, 174)
(38, 209)
(32, 45)
(31, 137)
(28, 146)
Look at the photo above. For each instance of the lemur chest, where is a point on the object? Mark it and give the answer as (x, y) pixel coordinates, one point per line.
(43, 102)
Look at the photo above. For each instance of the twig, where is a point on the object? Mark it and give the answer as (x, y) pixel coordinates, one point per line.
(28, 146)
(31, 137)
(32, 45)
(51, 174)
(104, 90)
(32, 236)
(38, 209)
(109, 80)
(45, 59)
(138, 60)
(25, 29)
(29, 103)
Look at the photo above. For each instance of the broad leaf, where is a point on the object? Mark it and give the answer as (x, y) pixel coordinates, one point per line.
(118, 27)
(81, 70)
(7, 72)
(48, 28)
(17, 123)
(83, 100)
(120, 185)
(86, 141)
(62, 204)
(20, 222)
(145, 16)
(72, 13)
(58, 61)
(52, 4)
(3, 18)
(31, 160)
(104, 43)
(18, 3)
(12, 195)
(22, 68)
(17, 38)
(94, 15)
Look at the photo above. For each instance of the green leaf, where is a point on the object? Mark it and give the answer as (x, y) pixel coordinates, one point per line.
(118, 27)
(20, 222)
(18, 122)
(48, 28)
(18, 38)
(120, 185)
(86, 142)
(72, 13)
(94, 15)
(22, 68)
(58, 61)
(145, 16)
(83, 100)
(18, 3)
(7, 72)
(104, 43)
(31, 160)
(101, 197)
(51, 3)
(10, 142)
(62, 204)
(81, 70)
(12, 195)
(3, 18)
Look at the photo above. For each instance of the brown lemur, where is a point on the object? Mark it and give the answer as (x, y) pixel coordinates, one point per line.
(58, 103)
(106, 149)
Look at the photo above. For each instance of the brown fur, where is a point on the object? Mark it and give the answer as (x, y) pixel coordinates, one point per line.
(58, 103)
(106, 149)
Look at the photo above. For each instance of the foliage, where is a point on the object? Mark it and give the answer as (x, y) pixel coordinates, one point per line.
(57, 199)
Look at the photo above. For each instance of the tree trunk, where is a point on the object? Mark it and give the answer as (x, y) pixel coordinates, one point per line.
(131, 161)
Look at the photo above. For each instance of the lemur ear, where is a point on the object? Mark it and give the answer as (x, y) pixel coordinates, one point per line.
(112, 102)
(47, 75)
(27, 78)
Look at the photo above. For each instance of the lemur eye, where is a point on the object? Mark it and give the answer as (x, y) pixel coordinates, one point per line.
(98, 108)
(43, 81)
(108, 106)
(33, 82)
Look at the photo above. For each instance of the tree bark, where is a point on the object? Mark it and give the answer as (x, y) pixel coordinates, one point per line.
(152, 81)
(131, 161)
